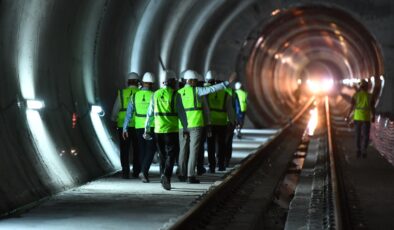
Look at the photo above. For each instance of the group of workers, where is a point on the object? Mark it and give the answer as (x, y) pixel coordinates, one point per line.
(175, 121)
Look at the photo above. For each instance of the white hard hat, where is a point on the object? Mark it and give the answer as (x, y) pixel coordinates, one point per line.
(190, 75)
(238, 85)
(148, 78)
(210, 75)
(133, 76)
(168, 75)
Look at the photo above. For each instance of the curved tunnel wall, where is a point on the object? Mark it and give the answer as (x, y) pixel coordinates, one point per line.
(302, 51)
(77, 53)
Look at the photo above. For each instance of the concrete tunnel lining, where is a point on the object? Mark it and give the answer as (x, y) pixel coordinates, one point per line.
(80, 52)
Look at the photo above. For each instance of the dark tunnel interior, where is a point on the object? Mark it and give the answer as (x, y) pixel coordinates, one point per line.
(68, 58)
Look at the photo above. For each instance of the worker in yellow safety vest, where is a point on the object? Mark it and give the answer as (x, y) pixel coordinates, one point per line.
(242, 96)
(220, 110)
(363, 105)
(137, 109)
(190, 137)
(118, 116)
(232, 123)
(163, 112)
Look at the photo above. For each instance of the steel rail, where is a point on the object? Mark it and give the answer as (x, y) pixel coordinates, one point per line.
(334, 177)
(237, 176)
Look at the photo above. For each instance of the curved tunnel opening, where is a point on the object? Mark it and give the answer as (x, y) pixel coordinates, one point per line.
(72, 55)
(305, 51)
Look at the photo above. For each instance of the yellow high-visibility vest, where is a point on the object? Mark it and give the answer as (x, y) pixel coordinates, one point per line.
(362, 111)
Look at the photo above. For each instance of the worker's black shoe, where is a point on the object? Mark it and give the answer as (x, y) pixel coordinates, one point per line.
(193, 180)
(182, 178)
(144, 177)
(211, 169)
(125, 175)
(222, 168)
(201, 171)
(165, 182)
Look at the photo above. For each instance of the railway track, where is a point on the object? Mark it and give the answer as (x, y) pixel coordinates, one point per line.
(290, 182)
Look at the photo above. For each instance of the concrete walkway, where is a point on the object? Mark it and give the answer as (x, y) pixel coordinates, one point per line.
(370, 185)
(115, 203)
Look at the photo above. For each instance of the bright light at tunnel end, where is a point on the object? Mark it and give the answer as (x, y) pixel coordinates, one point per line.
(322, 86)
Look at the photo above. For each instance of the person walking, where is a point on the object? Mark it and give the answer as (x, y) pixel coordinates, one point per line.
(190, 144)
(219, 104)
(163, 111)
(232, 123)
(363, 105)
(137, 109)
(118, 116)
(242, 96)
(200, 156)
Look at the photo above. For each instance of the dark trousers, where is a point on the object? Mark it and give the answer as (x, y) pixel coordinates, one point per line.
(362, 129)
(136, 154)
(200, 156)
(216, 145)
(168, 146)
(228, 152)
(146, 150)
(124, 146)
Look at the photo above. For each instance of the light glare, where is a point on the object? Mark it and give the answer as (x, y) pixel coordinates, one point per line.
(35, 104)
(105, 139)
(56, 170)
(312, 124)
(98, 110)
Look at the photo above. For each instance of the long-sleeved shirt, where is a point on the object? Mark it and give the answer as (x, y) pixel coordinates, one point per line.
(117, 106)
(130, 112)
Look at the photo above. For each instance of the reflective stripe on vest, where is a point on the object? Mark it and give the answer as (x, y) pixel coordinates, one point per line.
(217, 107)
(192, 106)
(242, 98)
(166, 118)
(141, 101)
(362, 110)
(125, 95)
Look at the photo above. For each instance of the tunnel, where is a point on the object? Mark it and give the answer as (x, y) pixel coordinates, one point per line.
(63, 61)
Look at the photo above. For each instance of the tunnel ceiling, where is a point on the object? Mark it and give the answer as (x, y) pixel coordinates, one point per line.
(72, 55)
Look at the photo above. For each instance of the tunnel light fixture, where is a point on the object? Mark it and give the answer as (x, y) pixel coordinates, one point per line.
(104, 137)
(96, 109)
(275, 12)
(35, 104)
